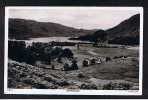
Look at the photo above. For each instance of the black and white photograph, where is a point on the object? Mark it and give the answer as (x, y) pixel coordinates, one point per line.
(73, 50)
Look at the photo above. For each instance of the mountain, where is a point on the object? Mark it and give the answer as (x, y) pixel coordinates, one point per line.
(127, 32)
(99, 35)
(25, 29)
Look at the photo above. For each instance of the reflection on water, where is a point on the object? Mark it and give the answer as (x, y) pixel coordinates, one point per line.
(56, 39)
(50, 39)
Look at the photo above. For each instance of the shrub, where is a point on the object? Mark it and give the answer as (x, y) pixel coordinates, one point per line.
(17, 50)
(67, 53)
(36, 52)
(56, 52)
(66, 67)
(81, 75)
(59, 60)
(85, 63)
(74, 65)
(93, 61)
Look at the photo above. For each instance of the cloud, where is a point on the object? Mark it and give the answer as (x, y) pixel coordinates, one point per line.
(75, 17)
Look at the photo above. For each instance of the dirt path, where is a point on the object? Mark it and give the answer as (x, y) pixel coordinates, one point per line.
(92, 52)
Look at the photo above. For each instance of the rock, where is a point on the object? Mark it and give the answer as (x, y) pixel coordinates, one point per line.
(42, 85)
(32, 76)
(117, 86)
(134, 88)
(88, 86)
(73, 87)
(11, 83)
(80, 75)
(60, 82)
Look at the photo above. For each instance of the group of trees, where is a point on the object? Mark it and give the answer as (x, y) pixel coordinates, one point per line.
(126, 40)
(18, 51)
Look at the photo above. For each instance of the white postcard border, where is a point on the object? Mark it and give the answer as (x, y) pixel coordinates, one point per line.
(66, 92)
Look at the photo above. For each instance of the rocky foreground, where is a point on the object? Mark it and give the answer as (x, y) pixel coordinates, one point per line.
(25, 76)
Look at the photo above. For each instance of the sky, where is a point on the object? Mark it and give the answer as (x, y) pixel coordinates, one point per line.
(77, 17)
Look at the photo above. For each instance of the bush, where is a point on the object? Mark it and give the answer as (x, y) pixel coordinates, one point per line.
(59, 60)
(56, 52)
(81, 75)
(93, 61)
(67, 53)
(36, 52)
(17, 50)
(66, 67)
(74, 65)
(85, 63)
(107, 59)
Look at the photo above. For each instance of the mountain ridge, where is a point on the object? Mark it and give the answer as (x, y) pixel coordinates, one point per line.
(126, 32)
(24, 29)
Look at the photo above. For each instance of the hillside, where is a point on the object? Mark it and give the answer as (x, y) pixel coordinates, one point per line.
(24, 29)
(127, 32)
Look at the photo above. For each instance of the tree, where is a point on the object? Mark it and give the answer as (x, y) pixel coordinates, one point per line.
(67, 53)
(56, 52)
(59, 59)
(93, 61)
(17, 50)
(74, 65)
(66, 67)
(85, 63)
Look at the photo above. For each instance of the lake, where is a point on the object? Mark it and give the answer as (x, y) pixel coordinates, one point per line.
(50, 39)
